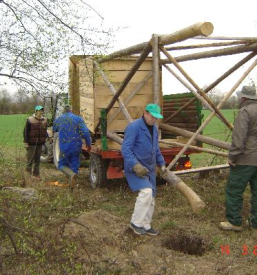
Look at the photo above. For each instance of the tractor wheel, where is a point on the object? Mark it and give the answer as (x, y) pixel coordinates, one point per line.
(56, 149)
(47, 152)
(97, 171)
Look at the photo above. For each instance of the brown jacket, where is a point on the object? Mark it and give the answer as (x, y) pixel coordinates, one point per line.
(35, 131)
(243, 150)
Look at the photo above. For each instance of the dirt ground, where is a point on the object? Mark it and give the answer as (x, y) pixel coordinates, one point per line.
(86, 231)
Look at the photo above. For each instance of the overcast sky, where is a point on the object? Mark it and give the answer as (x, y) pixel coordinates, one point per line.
(138, 20)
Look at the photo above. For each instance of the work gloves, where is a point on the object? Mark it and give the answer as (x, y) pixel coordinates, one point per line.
(140, 170)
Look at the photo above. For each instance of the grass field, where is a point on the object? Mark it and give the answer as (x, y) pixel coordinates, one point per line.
(11, 128)
(11, 137)
(218, 130)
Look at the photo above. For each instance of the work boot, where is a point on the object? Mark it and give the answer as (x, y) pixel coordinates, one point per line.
(249, 224)
(137, 230)
(152, 232)
(230, 227)
(67, 171)
(73, 181)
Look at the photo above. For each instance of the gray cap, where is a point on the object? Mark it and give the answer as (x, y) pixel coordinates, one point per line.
(247, 92)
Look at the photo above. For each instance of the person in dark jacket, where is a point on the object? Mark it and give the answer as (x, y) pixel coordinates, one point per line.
(141, 153)
(72, 129)
(243, 162)
(35, 134)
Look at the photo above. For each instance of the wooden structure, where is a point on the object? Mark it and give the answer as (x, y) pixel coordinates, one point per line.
(143, 73)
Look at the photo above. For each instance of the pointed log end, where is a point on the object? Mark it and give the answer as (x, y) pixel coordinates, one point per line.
(206, 28)
(198, 207)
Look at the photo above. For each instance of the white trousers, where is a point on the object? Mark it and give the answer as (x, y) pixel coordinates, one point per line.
(144, 208)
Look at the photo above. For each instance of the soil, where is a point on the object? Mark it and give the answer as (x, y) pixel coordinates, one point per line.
(85, 231)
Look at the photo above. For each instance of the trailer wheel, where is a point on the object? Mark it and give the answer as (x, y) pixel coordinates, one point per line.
(97, 171)
(56, 149)
(47, 152)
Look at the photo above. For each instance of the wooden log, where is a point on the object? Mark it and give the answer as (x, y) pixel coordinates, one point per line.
(156, 70)
(202, 28)
(197, 205)
(250, 39)
(210, 45)
(214, 53)
(196, 148)
(204, 139)
(202, 169)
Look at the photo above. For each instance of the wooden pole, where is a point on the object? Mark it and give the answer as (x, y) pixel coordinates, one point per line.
(225, 98)
(113, 91)
(215, 83)
(202, 28)
(156, 70)
(210, 45)
(196, 148)
(214, 53)
(176, 64)
(201, 138)
(202, 169)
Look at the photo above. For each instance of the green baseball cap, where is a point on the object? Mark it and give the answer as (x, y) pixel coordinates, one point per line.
(39, 107)
(154, 110)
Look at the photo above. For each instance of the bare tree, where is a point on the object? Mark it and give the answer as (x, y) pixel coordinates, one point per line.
(38, 36)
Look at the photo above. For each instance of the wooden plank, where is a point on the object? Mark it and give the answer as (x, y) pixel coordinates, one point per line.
(86, 91)
(104, 90)
(138, 100)
(126, 65)
(116, 77)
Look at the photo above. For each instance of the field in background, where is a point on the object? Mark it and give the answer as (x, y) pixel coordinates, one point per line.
(218, 130)
(11, 136)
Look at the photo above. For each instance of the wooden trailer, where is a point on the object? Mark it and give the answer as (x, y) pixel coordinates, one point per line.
(90, 96)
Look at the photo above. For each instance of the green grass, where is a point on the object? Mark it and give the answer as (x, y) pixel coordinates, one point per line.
(11, 130)
(218, 130)
(11, 135)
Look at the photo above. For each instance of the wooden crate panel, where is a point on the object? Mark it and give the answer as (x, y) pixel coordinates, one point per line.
(125, 65)
(101, 90)
(87, 112)
(118, 126)
(119, 76)
(138, 100)
(135, 112)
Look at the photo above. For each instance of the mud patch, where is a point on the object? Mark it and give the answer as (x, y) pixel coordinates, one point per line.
(188, 244)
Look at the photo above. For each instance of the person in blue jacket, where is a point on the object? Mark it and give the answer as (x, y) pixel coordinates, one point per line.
(141, 152)
(72, 129)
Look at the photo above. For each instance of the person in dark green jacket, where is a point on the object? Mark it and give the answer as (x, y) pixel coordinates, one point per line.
(243, 162)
